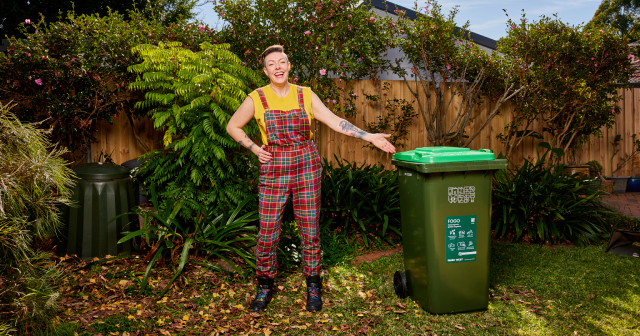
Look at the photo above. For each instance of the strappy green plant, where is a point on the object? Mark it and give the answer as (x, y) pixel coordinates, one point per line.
(191, 96)
(361, 199)
(226, 236)
(541, 202)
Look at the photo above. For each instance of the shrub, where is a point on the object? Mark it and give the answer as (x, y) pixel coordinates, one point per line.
(71, 74)
(165, 11)
(438, 51)
(33, 182)
(571, 80)
(323, 39)
(228, 235)
(361, 200)
(191, 97)
(542, 203)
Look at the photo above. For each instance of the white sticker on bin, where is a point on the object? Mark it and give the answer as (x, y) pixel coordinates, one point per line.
(462, 194)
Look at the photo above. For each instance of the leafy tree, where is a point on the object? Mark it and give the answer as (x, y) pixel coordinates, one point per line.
(166, 12)
(162, 11)
(34, 180)
(571, 75)
(192, 96)
(622, 15)
(71, 74)
(444, 58)
(323, 39)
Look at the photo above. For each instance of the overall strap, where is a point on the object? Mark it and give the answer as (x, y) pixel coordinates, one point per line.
(263, 99)
(300, 98)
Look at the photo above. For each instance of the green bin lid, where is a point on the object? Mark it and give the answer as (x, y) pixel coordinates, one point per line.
(448, 159)
(100, 171)
(444, 155)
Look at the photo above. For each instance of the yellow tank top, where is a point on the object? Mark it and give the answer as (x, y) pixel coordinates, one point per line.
(288, 103)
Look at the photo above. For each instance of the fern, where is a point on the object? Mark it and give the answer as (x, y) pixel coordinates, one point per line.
(191, 96)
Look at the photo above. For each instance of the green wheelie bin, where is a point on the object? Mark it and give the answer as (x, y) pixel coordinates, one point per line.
(445, 206)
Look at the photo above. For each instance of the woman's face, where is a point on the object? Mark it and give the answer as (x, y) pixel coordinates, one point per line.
(276, 67)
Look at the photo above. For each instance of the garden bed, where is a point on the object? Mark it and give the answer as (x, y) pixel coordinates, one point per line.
(534, 291)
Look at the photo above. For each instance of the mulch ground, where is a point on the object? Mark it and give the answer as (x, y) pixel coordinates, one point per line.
(103, 298)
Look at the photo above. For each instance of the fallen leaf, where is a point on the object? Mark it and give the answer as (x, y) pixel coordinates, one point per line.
(92, 280)
(240, 307)
(401, 305)
(459, 327)
(267, 332)
(339, 315)
(427, 328)
(123, 282)
(549, 307)
(281, 287)
(399, 311)
(186, 317)
(334, 329)
(592, 297)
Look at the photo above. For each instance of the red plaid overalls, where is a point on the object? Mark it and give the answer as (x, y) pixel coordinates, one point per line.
(294, 168)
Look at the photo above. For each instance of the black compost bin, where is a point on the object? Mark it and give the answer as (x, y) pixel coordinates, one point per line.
(102, 192)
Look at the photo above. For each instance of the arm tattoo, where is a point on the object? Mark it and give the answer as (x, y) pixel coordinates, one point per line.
(349, 129)
(247, 143)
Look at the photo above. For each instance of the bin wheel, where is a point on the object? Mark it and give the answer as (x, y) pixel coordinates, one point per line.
(400, 284)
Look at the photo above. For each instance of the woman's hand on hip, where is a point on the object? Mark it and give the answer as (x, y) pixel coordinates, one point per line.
(263, 155)
(380, 140)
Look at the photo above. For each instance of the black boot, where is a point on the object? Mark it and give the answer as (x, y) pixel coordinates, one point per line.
(314, 293)
(265, 294)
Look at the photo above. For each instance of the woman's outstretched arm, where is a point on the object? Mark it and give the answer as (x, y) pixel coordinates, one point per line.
(240, 118)
(324, 115)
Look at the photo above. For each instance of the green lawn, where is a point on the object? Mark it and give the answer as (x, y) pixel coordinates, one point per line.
(535, 291)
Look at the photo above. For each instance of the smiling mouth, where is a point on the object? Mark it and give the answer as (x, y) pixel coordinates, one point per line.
(279, 74)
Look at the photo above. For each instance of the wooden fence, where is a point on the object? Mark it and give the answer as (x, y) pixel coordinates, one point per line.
(119, 140)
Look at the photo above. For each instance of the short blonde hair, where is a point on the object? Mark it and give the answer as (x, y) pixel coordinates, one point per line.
(271, 50)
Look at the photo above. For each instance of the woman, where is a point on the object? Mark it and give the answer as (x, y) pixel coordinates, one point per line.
(289, 164)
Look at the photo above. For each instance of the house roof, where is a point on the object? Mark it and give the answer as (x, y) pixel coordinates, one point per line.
(390, 7)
